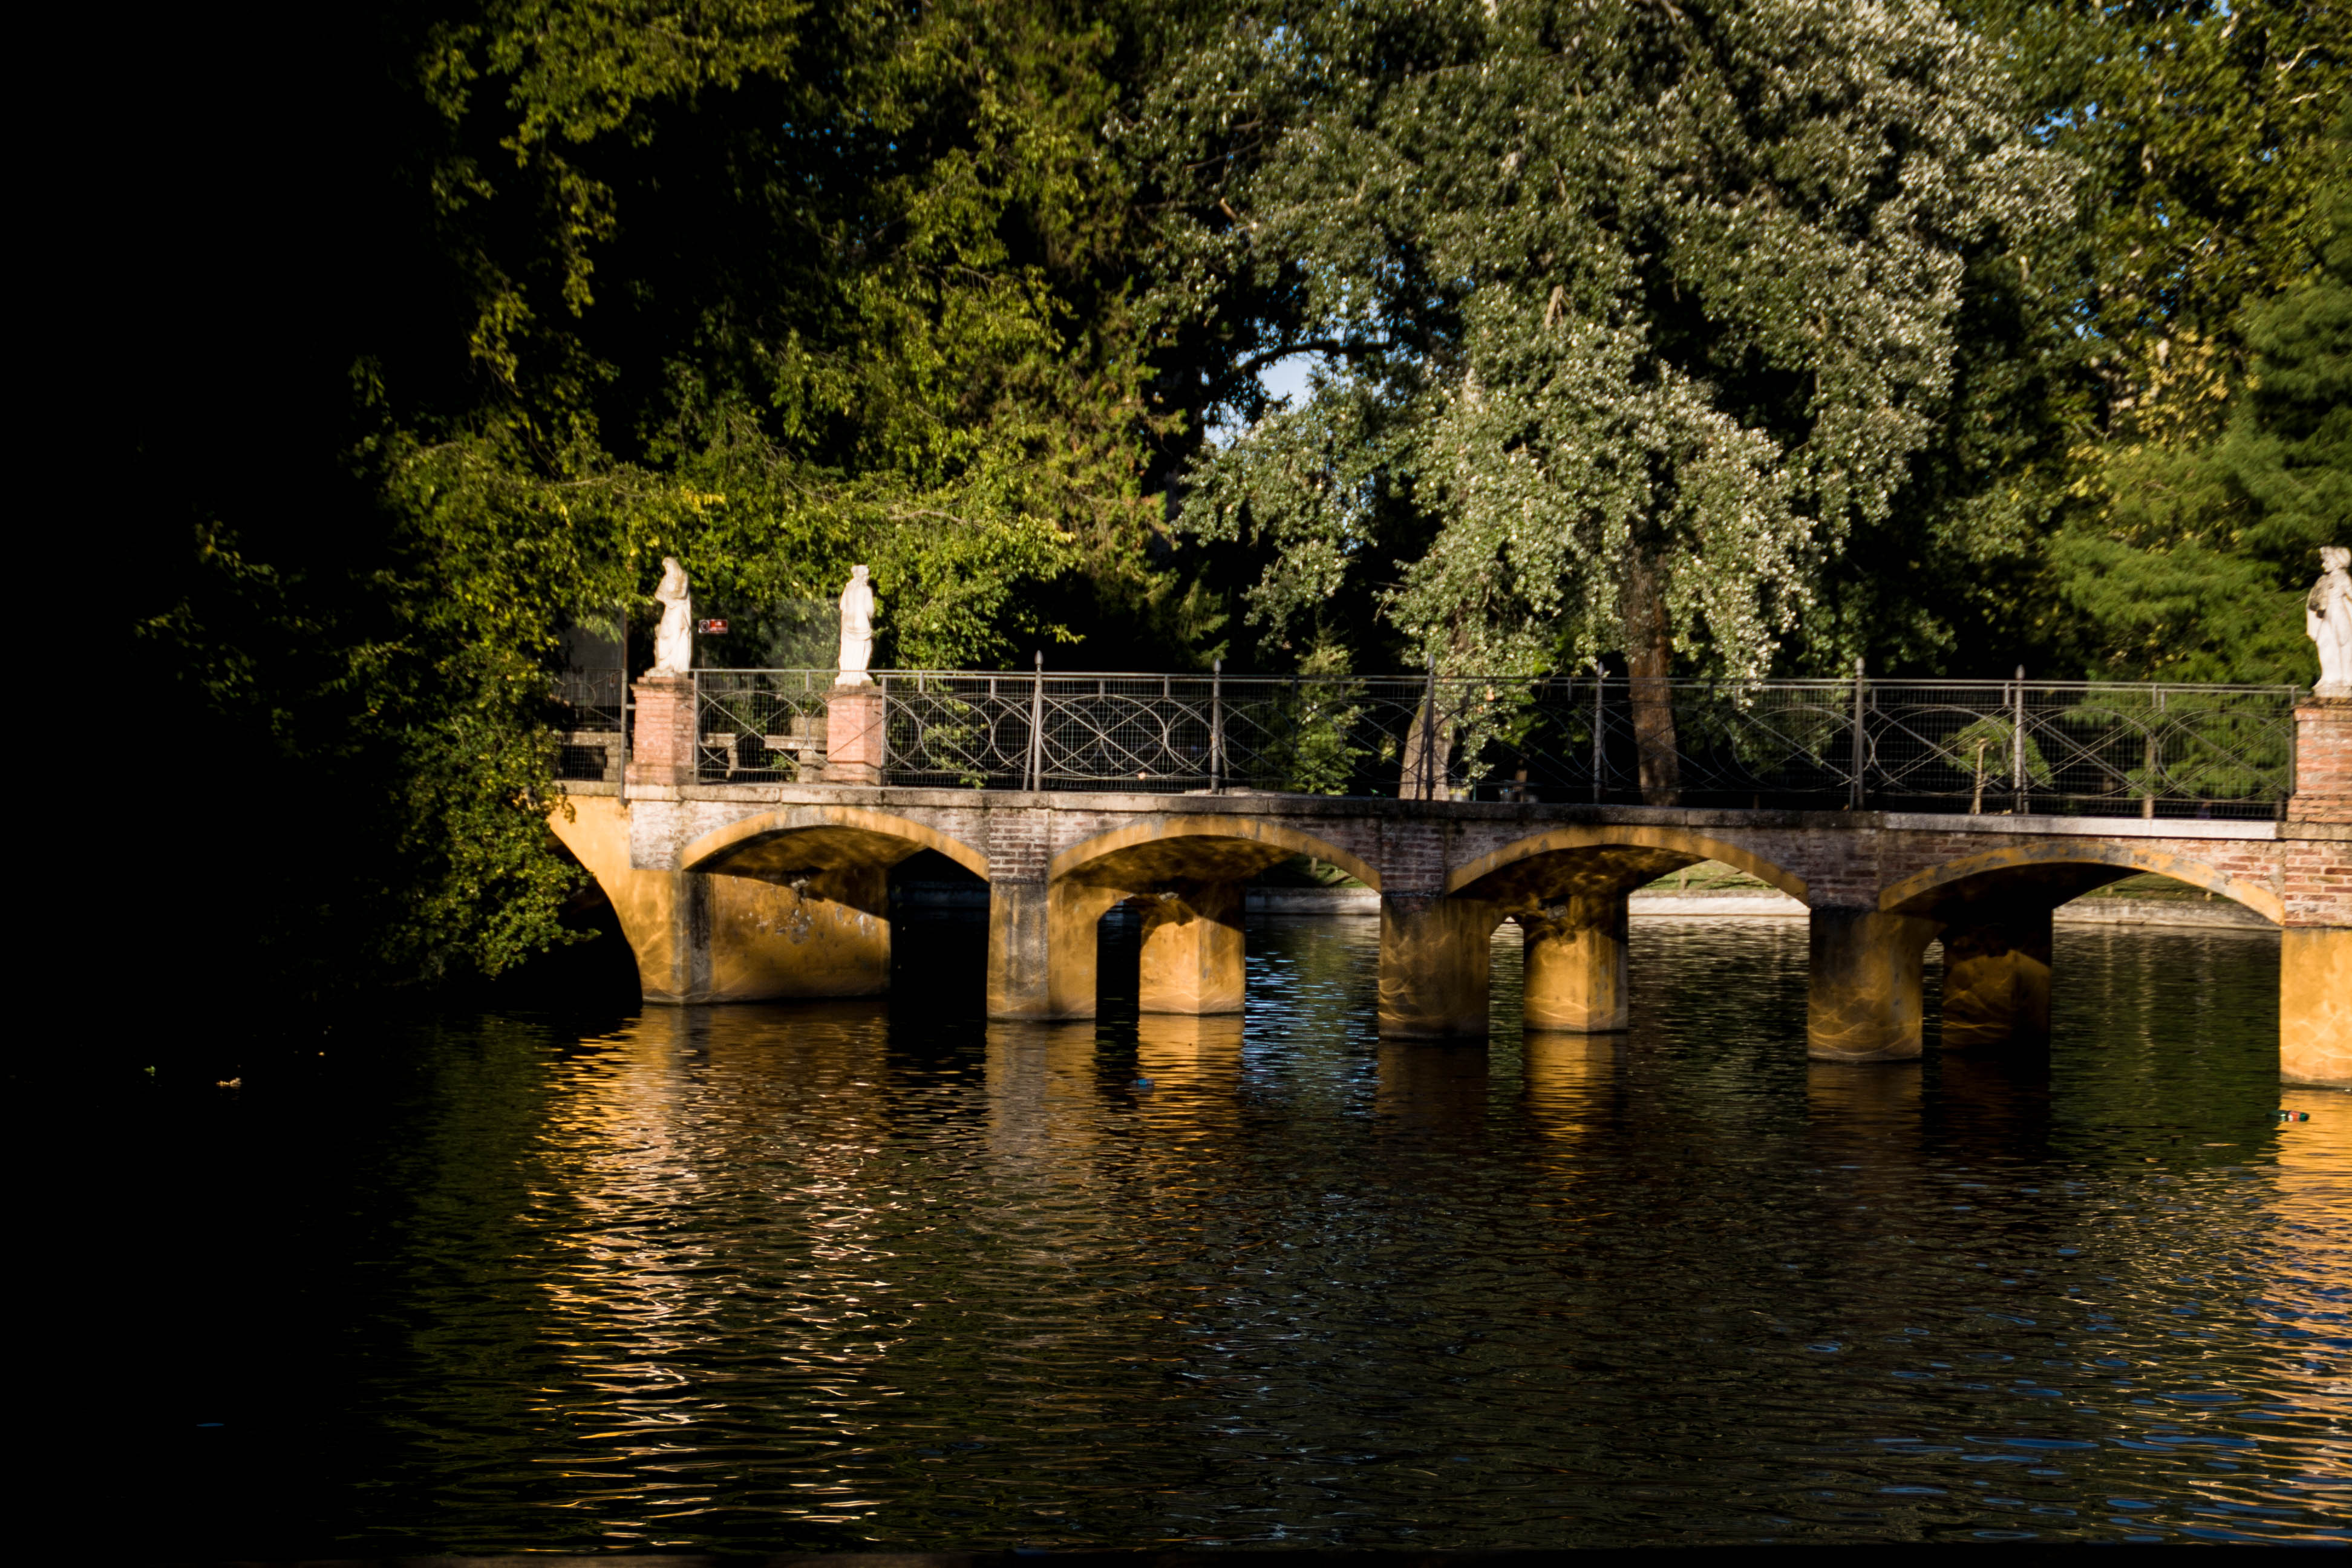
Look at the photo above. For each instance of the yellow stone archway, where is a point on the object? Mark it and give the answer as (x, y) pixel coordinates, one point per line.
(1568, 889)
(1673, 840)
(799, 839)
(1923, 893)
(1187, 873)
(1211, 847)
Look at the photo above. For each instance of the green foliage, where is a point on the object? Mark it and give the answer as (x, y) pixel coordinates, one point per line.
(2209, 539)
(1612, 300)
(1750, 332)
(773, 290)
(1988, 748)
(2213, 139)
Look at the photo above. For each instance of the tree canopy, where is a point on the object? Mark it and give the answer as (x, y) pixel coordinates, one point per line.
(1632, 317)
(1730, 336)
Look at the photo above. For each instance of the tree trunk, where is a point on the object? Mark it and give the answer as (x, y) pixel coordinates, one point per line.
(1649, 659)
(1426, 757)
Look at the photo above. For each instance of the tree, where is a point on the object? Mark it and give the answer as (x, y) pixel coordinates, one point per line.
(2206, 546)
(575, 284)
(1629, 314)
(2206, 130)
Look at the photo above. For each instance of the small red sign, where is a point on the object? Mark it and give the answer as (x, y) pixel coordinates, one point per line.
(711, 628)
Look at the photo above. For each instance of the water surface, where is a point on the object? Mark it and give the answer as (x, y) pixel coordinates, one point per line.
(837, 1275)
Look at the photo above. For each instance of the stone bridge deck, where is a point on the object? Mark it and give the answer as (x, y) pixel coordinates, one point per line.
(746, 893)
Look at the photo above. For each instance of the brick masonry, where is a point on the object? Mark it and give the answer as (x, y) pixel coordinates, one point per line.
(2323, 763)
(1846, 860)
(662, 748)
(854, 737)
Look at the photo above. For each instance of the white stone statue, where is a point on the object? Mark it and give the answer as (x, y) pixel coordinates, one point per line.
(856, 630)
(674, 638)
(2327, 616)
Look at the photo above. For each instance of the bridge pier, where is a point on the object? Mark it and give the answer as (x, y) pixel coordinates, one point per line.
(2315, 1005)
(1043, 948)
(1997, 980)
(1193, 959)
(1576, 970)
(1020, 948)
(1434, 965)
(1862, 999)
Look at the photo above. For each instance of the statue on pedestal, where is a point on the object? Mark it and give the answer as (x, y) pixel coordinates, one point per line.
(856, 630)
(2327, 616)
(674, 638)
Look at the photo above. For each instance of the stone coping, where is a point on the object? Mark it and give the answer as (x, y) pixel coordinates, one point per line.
(1705, 903)
(1358, 807)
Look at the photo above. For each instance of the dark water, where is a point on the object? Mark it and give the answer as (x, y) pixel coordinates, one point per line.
(832, 1275)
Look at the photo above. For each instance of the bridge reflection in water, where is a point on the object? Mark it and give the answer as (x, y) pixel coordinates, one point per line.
(779, 1277)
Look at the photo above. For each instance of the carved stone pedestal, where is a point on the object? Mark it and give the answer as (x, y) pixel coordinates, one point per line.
(855, 741)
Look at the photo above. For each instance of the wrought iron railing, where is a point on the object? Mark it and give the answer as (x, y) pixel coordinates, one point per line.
(592, 724)
(2073, 747)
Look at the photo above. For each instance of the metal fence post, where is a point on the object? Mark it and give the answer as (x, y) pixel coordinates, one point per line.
(1599, 688)
(2154, 759)
(1429, 735)
(621, 790)
(1856, 795)
(1216, 726)
(1037, 724)
(2017, 744)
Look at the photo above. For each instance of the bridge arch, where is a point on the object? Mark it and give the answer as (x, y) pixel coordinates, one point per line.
(1211, 846)
(806, 839)
(2067, 869)
(1491, 873)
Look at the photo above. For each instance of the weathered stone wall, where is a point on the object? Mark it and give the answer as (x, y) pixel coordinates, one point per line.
(1845, 860)
(734, 891)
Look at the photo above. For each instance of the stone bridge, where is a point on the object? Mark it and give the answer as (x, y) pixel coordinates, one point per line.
(750, 892)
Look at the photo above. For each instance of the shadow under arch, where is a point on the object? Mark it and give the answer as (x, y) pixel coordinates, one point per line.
(1183, 875)
(1518, 869)
(1992, 913)
(1211, 846)
(1566, 888)
(2058, 873)
(777, 926)
(803, 841)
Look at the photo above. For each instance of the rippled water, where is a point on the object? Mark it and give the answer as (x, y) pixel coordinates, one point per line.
(837, 1275)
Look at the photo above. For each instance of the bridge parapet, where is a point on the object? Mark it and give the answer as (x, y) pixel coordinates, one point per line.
(2019, 746)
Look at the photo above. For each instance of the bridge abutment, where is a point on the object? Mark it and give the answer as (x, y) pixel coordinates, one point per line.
(2315, 1004)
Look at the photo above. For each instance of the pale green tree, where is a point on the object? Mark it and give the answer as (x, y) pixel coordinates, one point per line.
(1628, 312)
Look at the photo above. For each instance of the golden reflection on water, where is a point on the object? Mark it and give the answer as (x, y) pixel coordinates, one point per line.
(1565, 1078)
(834, 1239)
(1192, 1055)
(1041, 1080)
(2313, 1205)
